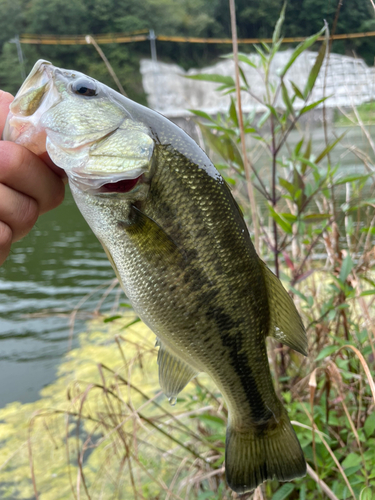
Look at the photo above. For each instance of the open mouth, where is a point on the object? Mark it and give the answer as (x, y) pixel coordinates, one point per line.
(123, 186)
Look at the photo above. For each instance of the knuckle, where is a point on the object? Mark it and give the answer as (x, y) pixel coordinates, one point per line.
(12, 157)
(59, 195)
(29, 212)
(6, 236)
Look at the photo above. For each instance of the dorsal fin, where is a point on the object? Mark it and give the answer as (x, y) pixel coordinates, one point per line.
(286, 325)
(174, 374)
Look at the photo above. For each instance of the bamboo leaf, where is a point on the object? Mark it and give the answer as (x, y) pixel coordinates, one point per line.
(243, 75)
(314, 72)
(287, 185)
(233, 112)
(301, 48)
(246, 60)
(311, 218)
(328, 148)
(306, 156)
(285, 96)
(280, 21)
(208, 77)
(202, 114)
(261, 53)
(297, 90)
(264, 118)
(285, 226)
(351, 178)
(298, 146)
(313, 105)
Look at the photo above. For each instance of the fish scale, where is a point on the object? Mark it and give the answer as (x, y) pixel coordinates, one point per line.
(181, 250)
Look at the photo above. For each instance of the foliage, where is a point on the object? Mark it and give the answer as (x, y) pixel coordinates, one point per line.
(168, 17)
(313, 209)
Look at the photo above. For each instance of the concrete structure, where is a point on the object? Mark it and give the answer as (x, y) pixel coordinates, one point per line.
(348, 81)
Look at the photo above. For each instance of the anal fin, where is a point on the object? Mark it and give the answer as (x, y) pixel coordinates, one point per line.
(174, 374)
(286, 324)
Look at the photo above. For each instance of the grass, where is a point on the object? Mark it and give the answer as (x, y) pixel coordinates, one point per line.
(366, 112)
(105, 430)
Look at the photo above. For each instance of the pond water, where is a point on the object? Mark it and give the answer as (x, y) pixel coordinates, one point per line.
(47, 275)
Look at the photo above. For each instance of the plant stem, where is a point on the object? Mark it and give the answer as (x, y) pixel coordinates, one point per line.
(274, 198)
(249, 184)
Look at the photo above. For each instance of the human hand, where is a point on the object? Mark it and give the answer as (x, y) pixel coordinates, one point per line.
(29, 186)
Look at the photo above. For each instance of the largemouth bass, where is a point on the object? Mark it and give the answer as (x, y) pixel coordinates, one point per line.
(181, 250)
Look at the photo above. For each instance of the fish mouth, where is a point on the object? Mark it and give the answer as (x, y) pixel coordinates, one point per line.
(109, 185)
(36, 95)
(121, 186)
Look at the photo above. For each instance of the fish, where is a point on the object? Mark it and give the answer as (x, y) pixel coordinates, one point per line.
(181, 250)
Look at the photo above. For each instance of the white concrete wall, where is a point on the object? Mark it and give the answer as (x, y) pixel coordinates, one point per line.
(349, 81)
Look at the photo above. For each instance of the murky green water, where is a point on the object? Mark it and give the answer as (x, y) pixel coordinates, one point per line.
(50, 272)
(42, 281)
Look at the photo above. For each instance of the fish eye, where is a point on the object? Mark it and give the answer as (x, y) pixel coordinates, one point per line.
(84, 86)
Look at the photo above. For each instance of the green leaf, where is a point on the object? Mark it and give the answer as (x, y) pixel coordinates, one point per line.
(311, 106)
(315, 217)
(243, 76)
(285, 226)
(298, 147)
(264, 118)
(346, 267)
(367, 292)
(207, 77)
(297, 90)
(202, 114)
(233, 112)
(280, 21)
(261, 53)
(370, 424)
(366, 494)
(326, 351)
(301, 48)
(287, 185)
(246, 60)
(285, 96)
(351, 460)
(328, 148)
(314, 72)
(137, 320)
(349, 471)
(351, 178)
(112, 318)
(283, 492)
(223, 145)
(306, 156)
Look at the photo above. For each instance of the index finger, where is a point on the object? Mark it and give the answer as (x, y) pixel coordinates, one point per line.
(5, 100)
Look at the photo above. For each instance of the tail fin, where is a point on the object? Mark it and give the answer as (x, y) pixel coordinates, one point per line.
(263, 452)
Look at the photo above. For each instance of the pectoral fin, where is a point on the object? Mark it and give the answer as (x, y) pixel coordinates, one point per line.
(174, 374)
(150, 238)
(286, 324)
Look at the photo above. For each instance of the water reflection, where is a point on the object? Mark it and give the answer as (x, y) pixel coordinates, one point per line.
(45, 277)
